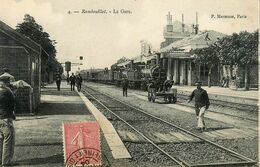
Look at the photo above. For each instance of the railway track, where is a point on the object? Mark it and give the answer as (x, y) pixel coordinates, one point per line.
(238, 106)
(197, 154)
(242, 111)
(253, 119)
(220, 109)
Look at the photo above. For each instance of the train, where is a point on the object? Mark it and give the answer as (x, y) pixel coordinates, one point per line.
(138, 74)
(150, 77)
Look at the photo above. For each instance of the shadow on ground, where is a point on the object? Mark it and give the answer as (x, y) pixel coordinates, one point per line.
(44, 160)
(63, 109)
(62, 92)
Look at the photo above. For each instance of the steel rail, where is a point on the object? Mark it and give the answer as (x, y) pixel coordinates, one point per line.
(221, 164)
(250, 161)
(231, 103)
(184, 130)
(244, 118)
(180, 162)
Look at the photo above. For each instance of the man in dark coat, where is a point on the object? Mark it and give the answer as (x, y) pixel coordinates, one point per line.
(72, 81)
(201, 104)
(125, 86)
(58, 81)
(7, 106)
(78, 81)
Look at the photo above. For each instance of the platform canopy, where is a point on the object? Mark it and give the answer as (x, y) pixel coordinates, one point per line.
(201, 40)
(143, 58)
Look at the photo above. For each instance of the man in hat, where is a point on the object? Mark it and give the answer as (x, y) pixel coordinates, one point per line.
(72, 81)
(201, 104)
(7, 105)
(125, 86)
(58, 81)
(78, 81)
(7, 73)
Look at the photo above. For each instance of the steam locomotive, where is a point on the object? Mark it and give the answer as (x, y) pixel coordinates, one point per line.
(138, 75)
(151, 77)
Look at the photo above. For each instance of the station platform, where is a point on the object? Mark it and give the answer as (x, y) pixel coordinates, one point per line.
(39, 138)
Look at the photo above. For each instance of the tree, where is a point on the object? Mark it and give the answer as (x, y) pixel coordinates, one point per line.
(240, 49)
(207, 56)
(34, 31)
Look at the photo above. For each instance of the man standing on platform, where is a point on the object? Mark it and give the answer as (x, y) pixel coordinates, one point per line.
(78, 81)
(7, 106)
(201, 104)
(72, 81)
(125, 86)
(58, 81)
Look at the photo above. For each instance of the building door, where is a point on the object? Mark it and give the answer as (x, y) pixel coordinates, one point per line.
(186, 68)
(179, 72)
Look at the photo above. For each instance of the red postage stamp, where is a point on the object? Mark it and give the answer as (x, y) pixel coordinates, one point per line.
(82, 144)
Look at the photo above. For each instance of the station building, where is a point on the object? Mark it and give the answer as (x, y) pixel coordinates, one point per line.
(175, 57)
(22, 57)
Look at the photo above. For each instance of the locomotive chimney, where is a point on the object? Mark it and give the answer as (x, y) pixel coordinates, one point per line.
(158, 56)
(153, 61)
(132, 64)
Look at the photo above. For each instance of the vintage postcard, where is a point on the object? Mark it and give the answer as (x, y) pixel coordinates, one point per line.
(134, 83)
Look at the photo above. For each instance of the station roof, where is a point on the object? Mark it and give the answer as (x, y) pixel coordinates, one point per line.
(123, 63)
(143, 58)
(201, 40)
(25, 41)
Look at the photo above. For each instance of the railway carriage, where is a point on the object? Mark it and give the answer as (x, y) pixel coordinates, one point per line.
(140, 76)
(103, 76)
(89, 75)
(134, 77)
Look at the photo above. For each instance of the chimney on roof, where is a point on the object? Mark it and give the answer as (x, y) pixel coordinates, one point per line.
(182, 25)
(169, 19)
(196, 18)
(196, 26)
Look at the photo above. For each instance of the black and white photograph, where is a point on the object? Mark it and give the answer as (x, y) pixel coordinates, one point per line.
(129, 83)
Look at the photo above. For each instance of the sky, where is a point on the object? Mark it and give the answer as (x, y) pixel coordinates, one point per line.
(102, 39)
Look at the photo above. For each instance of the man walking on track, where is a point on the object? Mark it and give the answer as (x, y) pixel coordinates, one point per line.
(7, 106)
(201, 104)
(125, 86)
(72, 81)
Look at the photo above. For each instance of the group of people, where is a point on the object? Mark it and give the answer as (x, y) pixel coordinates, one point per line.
(73, 80)
(225, 81)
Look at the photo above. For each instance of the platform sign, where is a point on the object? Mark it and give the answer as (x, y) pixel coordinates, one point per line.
(67, 66)
(82, 144)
